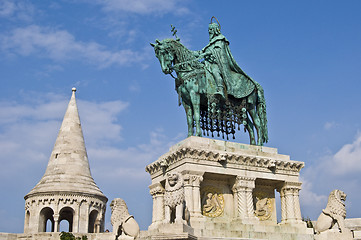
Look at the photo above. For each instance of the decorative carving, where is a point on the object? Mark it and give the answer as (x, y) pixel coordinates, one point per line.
(67, 199)
(156, 189)
(174, 197)
(241, 161)
(263, 205)
(212, 202)
(174, 192)
(335, 212)
(123, 223)
(243, 188)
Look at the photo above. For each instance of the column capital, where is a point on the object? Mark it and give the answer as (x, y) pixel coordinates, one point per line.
(156, 188)
(289, 187)
(242, 182)
(56, 217)
(193, 178)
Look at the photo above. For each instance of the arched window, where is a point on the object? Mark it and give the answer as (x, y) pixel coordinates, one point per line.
(92, 218)
(46, 220)
(64, 226)
(67, 214)
(49, 226)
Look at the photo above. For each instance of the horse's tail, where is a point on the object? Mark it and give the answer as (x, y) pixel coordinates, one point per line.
(261, 111)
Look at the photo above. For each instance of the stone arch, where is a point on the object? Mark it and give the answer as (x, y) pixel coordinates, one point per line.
(67, 213)
(46, 214)
(92, 226)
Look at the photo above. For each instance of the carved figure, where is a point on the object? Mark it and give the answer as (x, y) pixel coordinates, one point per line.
(212, 204)
(222, 67)
(123, 223)
(263, 205)
(216, 94)
(174, 200)
(335, 212)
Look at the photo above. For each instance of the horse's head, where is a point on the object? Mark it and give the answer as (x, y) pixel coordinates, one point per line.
(163, 51)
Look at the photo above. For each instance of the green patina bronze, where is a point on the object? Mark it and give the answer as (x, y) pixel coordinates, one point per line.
(217, 95)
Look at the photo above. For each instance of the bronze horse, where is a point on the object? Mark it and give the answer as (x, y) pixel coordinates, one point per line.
(204, 109)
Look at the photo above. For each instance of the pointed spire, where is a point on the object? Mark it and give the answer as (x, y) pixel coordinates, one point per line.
(68, 167)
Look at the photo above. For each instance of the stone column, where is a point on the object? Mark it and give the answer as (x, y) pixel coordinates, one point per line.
(243, 198)
(239, 196)
(102, 225)
(97, 226)
(296, 199)
(56, 222)
(290, 203)
(196, 184)
(249, 202)
(283, 206)
(188, 192)
(157, 192)
(76, 217)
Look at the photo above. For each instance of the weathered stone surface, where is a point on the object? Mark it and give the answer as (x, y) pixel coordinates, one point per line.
(334, 213)
(334, 234)
(124, 225)
(229, 190)
(68, 167)
(67, 190)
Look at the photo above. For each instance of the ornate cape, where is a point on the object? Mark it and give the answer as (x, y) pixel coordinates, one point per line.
(238, 83)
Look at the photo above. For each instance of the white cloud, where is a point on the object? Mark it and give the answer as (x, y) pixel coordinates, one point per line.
(100, 120)
(340, 170)
(124, 163)
(310, 198)
(330, 125)
(347, 159)
(22, 10)
(60, 45)
(144, 6)
(7, 8)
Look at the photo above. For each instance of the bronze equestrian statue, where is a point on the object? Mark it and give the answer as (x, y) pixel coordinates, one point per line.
(214, 91)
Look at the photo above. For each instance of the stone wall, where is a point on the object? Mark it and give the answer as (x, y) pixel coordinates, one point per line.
(53, 236)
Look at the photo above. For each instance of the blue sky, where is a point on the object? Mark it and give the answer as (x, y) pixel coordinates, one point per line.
(305, 54)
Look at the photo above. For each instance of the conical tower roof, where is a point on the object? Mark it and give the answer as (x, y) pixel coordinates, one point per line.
(68, 169)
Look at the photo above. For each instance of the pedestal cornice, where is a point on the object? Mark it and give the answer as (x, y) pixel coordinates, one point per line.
(235, 155)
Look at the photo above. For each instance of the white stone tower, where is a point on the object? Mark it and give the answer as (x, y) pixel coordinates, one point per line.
(67, 190)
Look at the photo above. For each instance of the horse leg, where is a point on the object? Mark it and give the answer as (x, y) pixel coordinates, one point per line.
(189, 114)
(196, 100)
(257, 123)
(250, 129)
(252, 99)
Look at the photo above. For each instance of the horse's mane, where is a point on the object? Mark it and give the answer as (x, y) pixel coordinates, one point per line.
(182, 53)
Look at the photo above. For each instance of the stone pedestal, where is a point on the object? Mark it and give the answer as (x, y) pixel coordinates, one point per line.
(334, 235)
(169, 231)
(229, 189)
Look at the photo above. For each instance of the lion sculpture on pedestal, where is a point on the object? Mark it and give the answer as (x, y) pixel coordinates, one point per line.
(174, 200)
(335, 212)
(123, 223)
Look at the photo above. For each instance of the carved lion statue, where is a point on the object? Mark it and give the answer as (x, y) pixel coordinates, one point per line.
(174, 198)
(123, 223)
(335, 212)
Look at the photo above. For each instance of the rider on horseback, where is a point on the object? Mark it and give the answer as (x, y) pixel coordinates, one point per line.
(241, 98)
(228, 77)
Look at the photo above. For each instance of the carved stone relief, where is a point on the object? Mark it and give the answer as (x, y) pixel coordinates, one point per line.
(212, 201)
(263, 206)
